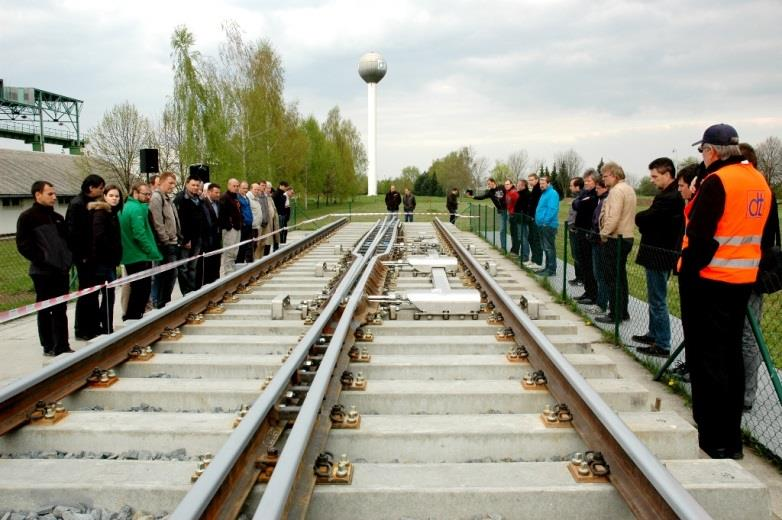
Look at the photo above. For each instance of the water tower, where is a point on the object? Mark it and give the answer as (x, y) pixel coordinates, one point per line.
(372, 68)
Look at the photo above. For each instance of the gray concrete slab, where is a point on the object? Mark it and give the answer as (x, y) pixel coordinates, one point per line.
(118, 432)
(521, 490)
(153, 486)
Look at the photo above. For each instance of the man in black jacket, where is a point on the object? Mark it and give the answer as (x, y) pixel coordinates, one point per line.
(585, 205)
(212, 239)
(661, 227)
(281, 199)
(78, 223)
(496, 194)
(534, 238)
(393, 200)
(192, 222)
(41, 238)
(230, 219)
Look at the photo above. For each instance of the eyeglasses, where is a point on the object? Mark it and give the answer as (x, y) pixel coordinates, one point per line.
(145, 193)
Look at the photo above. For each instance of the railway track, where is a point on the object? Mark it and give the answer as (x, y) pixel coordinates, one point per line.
(446, 426)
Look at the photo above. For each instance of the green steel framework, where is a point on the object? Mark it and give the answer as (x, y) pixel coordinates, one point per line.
(27, 114)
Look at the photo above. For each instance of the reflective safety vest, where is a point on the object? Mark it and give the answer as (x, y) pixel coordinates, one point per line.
(740, 229)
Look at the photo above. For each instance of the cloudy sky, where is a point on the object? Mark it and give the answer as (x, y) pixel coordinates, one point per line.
(624, 80)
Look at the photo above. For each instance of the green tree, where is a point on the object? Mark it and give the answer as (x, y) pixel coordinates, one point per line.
(647, 188)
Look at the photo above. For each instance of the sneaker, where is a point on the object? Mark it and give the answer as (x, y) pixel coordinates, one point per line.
(585, 301)
(575, 281)
(654, 350)
(49, 353)
(646, 339)
(604, 318)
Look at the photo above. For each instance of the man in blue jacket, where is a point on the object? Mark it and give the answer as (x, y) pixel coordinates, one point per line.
(546, 222)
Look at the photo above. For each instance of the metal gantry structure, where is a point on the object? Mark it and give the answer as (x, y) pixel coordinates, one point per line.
(35, 116)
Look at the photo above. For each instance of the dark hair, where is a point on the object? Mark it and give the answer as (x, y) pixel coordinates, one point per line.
(283, 183)
(578, 181)
(663, 165)
(600, 182)
(689, 172)
(193, 178)
(749, 154)
(38, 187)
(524, 181)
(91, 181)
(214, 185)
(491, 179)
(114, 187)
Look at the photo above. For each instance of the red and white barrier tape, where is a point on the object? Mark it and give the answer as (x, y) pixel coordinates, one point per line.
(25, 310)
(12, 314)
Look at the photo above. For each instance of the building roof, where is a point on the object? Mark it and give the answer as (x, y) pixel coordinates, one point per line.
(19, 169)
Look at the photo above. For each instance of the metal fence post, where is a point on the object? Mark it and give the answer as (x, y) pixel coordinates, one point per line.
(772, 371)
(564, 264)
(485, 223)
(617, 290)
(493, 227)
(350, 211)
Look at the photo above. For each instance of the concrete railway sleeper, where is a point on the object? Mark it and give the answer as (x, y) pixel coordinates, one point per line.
(434, 382)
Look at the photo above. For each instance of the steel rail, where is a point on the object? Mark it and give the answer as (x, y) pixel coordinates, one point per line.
(647, 487)
(274, 502)
(229, 478)
(69, 373)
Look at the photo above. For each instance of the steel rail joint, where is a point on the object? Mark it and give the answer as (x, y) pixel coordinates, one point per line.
(69, 373)
(198, 502)
(275, 496)
(647, 487)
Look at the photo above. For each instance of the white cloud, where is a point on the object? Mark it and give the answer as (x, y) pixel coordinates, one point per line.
(628, 80)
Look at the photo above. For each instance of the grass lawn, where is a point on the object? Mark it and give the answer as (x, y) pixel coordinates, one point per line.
(16, 288)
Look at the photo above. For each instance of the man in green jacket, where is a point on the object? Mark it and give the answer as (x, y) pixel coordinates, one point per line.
(139, 249)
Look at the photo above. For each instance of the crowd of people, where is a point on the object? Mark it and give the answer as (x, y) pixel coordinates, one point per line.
(153, 226)
(713, 224)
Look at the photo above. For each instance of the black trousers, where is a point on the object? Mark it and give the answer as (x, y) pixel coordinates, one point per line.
(584, 252)
(86, 325)
(713, 320)
(139, 291)
(618, 297)
(211, 268)
(284, 233)
(52, 322)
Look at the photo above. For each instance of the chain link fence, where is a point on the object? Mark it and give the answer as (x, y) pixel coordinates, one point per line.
(599, 277)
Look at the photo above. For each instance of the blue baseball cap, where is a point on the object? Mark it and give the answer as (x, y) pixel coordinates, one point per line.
(720, 135)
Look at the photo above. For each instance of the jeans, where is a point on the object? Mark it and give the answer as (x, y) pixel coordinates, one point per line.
(659, 321)
(503, 216)
(106, 273)
(52, 322)
(165, 281)
(548, 236)
(751, 351)
(524, 235)
(598, 269)
(187, 273)
(408, 216)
